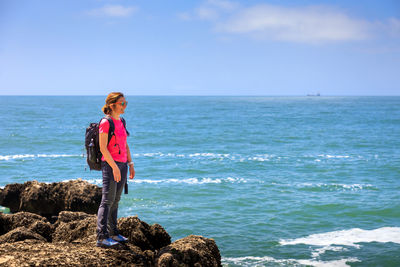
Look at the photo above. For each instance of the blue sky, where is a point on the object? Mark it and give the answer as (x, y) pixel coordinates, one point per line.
(211, 47)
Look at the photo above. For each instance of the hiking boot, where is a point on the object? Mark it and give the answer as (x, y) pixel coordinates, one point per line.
(119, 238)
(106, 243)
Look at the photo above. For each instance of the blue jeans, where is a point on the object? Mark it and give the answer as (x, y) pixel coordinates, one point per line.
(111, 194)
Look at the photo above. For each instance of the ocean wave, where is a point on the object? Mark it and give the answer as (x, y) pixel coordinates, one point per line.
(335, 186)
(193, 181)
(336, 263)
(211, 156)
(248, 157)
(189, 181)
(32, 156)
(191, 155)
(327, 156)
(194, 156)
(251, 261)
(266, 261)
(351, 237)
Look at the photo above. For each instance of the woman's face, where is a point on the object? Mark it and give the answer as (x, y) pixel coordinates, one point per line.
(120, 105)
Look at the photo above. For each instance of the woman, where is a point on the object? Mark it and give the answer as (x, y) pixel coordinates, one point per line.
(115, 161)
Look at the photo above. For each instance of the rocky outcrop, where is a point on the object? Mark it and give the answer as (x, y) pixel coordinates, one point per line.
(28, 239)
(26, 223)
(49, 200)
(190, 251)
(63, 232)
(147, 237)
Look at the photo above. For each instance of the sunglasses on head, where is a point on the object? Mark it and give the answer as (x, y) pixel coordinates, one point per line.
(122, 103)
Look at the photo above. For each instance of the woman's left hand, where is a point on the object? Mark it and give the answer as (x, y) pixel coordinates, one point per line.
(131, 171)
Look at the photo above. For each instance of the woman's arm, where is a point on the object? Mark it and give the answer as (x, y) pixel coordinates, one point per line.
(130, 163)
(103, 140)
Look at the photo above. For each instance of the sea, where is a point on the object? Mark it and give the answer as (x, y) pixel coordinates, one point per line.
(275, 181)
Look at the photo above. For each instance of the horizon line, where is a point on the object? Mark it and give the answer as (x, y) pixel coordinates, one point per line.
(183, 95)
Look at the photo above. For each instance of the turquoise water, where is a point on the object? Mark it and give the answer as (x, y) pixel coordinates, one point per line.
(276, 181)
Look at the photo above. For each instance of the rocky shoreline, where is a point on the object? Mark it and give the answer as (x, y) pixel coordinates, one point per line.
(54, 224)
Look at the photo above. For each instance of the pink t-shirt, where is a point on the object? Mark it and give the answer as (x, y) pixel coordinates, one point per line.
(117, 145)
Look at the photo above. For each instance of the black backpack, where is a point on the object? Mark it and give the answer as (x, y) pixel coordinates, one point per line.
(93, 154)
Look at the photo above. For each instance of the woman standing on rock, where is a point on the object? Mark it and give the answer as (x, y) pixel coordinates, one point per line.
(115, 161)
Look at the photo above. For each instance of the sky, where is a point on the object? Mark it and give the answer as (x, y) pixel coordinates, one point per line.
(210, 47)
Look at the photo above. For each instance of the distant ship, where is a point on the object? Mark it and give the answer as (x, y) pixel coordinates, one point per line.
(317, 94)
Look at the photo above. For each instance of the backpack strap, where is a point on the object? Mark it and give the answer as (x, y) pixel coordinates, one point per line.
(111, 129)
(124, 123)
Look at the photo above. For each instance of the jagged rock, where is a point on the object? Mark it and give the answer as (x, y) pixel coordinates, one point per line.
(20, 234)
(75, 226)
(50, 199)
(28, 239)
(143, 235)
(33, 222)
(39, 253)
(190, 251)
(25, 242)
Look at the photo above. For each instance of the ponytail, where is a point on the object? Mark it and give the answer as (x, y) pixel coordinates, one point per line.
(106, 109)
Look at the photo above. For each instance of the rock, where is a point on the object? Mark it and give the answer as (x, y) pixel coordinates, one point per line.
(29, 239)
(190, 251)
(33, 222)
(75, 226)
(9, 196)
(143, 235)
(20, 234)
(50, 199)
(39, 253)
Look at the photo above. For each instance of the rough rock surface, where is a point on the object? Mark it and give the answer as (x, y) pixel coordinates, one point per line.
(143, 235)
(25, 222)
(28, 239)
(190, 251)
(50, 199)
(63, 232)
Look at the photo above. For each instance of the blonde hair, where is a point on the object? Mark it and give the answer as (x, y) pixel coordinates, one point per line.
(112, 98)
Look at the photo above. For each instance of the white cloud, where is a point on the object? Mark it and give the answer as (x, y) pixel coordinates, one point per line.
(210, 10)
(307, 24)
(206, 13)
(223, 4)
(113, 11)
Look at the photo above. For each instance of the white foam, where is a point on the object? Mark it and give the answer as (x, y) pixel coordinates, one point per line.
(8, 157)
(258, 159)
(31, 156)
(251, 260)
(190, 181)
(317, 252)
(335, 263)
(207, 155)
(193, 181)
(173, 155)
(334, 156)
(56, 156)
(352, 187)
(348, 237)
(265, 261)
